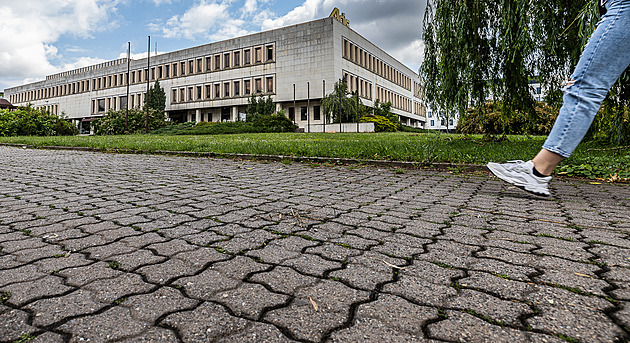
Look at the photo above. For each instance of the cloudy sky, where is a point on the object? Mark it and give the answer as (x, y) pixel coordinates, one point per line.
(40, 37)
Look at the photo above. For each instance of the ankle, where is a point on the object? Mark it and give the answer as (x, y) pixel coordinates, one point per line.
(537, 173)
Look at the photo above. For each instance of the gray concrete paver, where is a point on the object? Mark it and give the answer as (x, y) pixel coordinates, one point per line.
(140, 248)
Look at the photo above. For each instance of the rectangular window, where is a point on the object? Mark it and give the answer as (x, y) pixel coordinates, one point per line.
(182, 68)
(199, 93)
(237, 88)
(248, 87)
(247, 58)
(182, 95)
(217, 91)
(303, 113)
(316, 113)
(167, 71)
(123, 102)
(258, 55)
(217, 62)
(226, 60)
(174, 99)
(258, 85)
(269, 52)
(208, 63)
(190, 94)
(237, 58)
(199, 65)
(152, 73)
(270, 84)
(174, 69)
(292, 113)
(101, 105)
(208, 91)
(226, 89)
(191, 67)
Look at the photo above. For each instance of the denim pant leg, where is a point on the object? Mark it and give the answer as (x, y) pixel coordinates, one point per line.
(605, 57)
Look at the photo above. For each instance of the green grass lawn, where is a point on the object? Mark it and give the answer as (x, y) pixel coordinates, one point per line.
(399, 146)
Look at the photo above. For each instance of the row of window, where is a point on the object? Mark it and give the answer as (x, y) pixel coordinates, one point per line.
(224, 90)
(417, 90)
(52, 109)
(357, 55)
(443, 123)
(117, 103)
(398, 101)
(317, 113)
(418, 109)
(221, 61)
(359, 85)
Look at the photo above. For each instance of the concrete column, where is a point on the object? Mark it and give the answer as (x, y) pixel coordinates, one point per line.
(198, 115)
(234, 113)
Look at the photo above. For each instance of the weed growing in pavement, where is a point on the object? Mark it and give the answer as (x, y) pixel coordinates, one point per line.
(443, 265)
(484, 317)
(119, 301)
(344, 245)
(4, 296)
(503, 276)
(556, 237)
(575, 290)
(25, 232)
(114, 265)
(567, 338)
(25, 337)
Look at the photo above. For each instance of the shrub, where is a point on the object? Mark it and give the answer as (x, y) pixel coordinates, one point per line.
(28, 121)
(113, 123)
(381, 124)
(488, 121)
(276, 122)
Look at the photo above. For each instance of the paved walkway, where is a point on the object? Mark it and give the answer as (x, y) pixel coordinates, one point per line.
(133, 248)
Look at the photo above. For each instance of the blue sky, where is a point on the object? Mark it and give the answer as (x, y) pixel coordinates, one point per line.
(40, 38)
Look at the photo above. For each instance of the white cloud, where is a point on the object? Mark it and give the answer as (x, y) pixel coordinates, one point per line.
(30, 29)
(199, 20)
(307, 11)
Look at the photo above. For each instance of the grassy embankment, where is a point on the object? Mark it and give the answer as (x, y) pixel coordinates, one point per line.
(401, 146)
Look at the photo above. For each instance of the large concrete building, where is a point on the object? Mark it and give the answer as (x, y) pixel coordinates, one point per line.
(295, 65)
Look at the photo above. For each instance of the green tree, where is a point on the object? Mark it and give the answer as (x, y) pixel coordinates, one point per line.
(339, 97)
(259, 107)
(480, 49)
(156, 98)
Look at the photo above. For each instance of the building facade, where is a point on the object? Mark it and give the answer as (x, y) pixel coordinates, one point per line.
(295, 65)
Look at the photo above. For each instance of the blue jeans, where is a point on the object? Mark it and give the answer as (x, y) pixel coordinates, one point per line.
(605, 57)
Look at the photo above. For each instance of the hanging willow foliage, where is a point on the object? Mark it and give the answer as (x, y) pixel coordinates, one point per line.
(490, 49)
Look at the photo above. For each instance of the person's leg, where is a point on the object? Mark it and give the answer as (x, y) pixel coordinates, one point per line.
(546, 161)
(605, 57)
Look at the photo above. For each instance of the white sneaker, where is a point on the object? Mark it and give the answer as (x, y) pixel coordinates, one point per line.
(521, 175)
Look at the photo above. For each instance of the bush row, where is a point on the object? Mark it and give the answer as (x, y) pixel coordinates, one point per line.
(28, 121)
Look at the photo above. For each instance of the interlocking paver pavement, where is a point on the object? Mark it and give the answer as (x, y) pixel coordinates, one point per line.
(135, 248)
